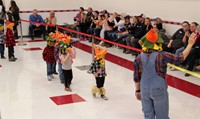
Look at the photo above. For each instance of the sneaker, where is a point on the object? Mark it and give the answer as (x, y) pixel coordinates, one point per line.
(52, 77)
(68, 89)
(62, 82)
(104, 97)
(49, 78)
(12, 59)
(186, 74)
(3, 57)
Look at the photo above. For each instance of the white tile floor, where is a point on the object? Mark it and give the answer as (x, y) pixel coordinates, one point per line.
(25, 91)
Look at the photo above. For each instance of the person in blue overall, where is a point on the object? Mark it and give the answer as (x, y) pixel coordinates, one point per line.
(149, 74)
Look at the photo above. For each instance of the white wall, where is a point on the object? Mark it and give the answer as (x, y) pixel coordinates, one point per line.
(29, 5)
(172, 10)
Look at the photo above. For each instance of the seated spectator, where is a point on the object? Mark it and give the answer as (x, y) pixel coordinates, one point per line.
(51, 21)
(194, 53)
(138, 32)
(77, 20)
(162, 34)
(159, 21)
(84, 24)
(176, 41)
(94, 22)
(99, 24)
(110, 27)
(35, 17)
(123, 25)
(104, 27)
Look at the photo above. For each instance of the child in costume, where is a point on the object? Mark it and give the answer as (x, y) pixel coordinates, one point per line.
(10, 41)
(2, 42)
(97, 68)
(149, 74)
(68, 53)
(48, 56)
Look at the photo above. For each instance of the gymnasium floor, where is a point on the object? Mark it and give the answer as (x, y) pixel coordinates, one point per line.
(25, 92)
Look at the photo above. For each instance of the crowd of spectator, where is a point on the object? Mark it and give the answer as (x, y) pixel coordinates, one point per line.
(128, 30)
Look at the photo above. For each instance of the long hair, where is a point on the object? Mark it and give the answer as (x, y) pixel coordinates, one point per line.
(3, 7)
(13, 4)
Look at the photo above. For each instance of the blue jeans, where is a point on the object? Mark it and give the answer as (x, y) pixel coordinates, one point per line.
(178, 51)
(155, 103)
(61, 76)
(50, 68)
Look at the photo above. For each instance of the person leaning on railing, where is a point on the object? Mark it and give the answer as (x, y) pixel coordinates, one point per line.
(51, 21)
(35, 17)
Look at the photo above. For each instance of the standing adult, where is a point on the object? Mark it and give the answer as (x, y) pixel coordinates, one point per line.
(149, 74)
(2, 12)
(13, 16)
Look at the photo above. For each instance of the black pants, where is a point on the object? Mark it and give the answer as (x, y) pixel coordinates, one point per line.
(2, 49)
(55, 67)
(10, 51)
(51, 29)
(31, 28)
(192, 57)
(100, 81)
(15, 31)
(67, 77)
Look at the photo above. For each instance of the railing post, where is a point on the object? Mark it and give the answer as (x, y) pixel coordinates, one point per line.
(21, 42)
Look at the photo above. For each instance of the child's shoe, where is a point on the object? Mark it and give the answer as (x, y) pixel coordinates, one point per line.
(68, 89)
(52, 77)
(12, 59)
(3, 57)
(104, 97)
(49, 78)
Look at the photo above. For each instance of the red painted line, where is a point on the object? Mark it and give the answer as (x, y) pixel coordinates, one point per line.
(33, 49)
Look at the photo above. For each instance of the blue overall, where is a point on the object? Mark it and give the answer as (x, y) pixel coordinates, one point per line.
(154, 93)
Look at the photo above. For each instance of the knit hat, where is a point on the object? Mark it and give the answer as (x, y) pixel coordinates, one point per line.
(99, 52)
(152, 41)
(9, 25)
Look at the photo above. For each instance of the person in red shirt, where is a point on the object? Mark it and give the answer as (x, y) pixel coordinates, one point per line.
(10, 41)
(48, 56)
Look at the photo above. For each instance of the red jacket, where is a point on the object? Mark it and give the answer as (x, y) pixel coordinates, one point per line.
(10, 40)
